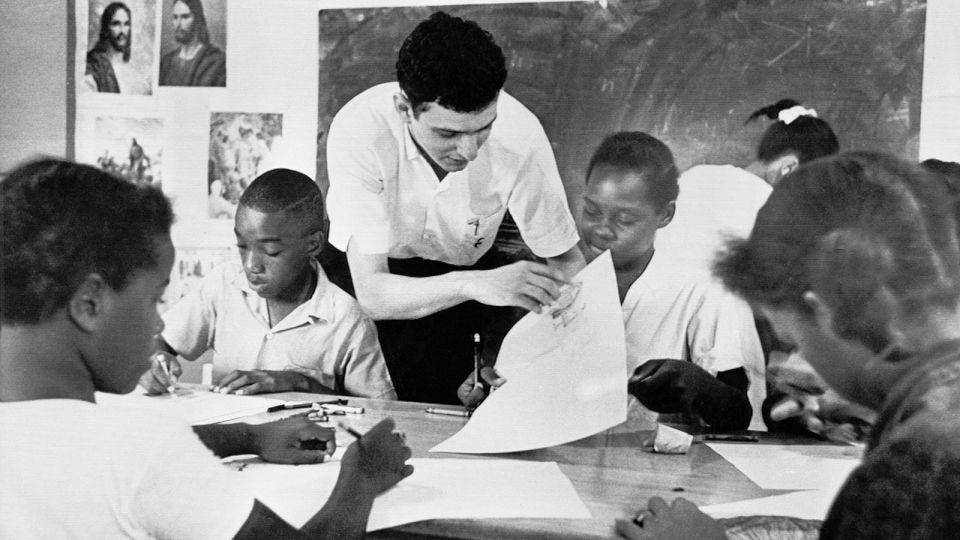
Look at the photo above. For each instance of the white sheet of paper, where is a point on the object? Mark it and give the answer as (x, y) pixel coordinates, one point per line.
(813, 504)
(194, 406)
(791, 466)
(565, 369)
(437, 489)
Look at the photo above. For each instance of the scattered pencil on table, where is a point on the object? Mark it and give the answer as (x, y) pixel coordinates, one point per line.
(730, 437)
(287, 406)
(448, 412)
(343, 408)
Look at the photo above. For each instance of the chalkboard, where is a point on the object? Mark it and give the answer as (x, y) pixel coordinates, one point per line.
(686, 71)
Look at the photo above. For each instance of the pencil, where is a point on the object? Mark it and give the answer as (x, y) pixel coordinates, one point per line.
(448, 412)
(165, 365)
(476, 361)
(350, 430)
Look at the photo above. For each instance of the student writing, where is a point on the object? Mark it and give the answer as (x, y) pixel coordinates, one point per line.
(85, 259)
(273, 319)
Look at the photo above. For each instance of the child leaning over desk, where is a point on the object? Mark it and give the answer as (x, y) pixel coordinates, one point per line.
(274, 321)
(691, 349)
(85, 258)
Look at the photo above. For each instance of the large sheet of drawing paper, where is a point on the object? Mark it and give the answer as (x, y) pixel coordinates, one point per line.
(437, 489)
(812, 504)
(565, 370)
(195, 406)
(776, 466)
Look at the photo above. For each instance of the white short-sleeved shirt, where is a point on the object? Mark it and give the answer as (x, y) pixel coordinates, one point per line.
(716, 202)
(385, 198)
(671, 313)
(327, 337)
(72, 469)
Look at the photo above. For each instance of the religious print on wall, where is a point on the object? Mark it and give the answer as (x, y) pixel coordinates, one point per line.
(193, 43)
(118, 54)
(240, 150)
(128, 147)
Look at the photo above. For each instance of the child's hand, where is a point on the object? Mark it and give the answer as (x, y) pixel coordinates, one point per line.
(293, 440)
(669, 386)
(258, 381)
(472, 395)
(378, 460)
(681, 520)
(156, 380)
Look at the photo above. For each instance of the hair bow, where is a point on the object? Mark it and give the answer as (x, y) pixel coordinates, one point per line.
(787, 116)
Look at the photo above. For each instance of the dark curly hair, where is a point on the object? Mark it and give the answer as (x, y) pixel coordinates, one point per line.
(869, 232)
(808, 137)
(62, 221)
(451, 61)
(645, 154)
(288, 191)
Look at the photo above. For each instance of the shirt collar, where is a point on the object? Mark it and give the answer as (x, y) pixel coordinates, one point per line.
(317, 308)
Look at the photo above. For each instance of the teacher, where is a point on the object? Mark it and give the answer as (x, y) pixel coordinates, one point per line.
(421, 173)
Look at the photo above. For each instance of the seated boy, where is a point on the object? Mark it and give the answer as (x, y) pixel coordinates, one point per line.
(274, 321)
(85, 257)
(691, 347)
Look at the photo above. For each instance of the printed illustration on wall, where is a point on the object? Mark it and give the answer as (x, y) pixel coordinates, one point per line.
(119, 47)
(130, 148)
(240, 147)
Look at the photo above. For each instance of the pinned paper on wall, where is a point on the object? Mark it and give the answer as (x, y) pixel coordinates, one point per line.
(565, 370)
(437, 489)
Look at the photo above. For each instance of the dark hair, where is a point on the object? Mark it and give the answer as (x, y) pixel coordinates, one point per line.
(285, 190)
(105, 18)
(63, 221)
(647, 155)
(808, 137)
(868, 232)
(199, 19)
(451, 61)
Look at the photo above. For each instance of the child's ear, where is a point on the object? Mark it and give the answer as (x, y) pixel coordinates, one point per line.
(403, 107)
(88, 303)
(315, 241)
(666, 215)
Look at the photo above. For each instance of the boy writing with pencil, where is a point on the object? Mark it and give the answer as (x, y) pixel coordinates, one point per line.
(274, 321)
(85, 257)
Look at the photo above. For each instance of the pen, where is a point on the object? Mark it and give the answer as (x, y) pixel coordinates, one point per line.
(448, 412)
(286, 406)
(476, 362)
(343, 408)
(730, 437)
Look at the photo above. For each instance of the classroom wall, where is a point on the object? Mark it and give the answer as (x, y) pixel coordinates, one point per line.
(33, 70)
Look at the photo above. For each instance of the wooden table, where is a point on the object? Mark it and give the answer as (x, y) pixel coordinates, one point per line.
(610, 472)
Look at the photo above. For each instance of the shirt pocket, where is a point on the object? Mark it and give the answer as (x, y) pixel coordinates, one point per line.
(481, 228)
